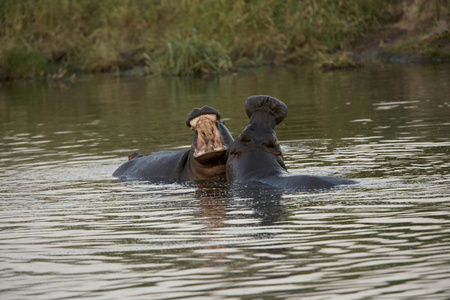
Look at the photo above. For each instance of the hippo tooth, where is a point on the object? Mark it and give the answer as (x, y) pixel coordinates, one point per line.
(211, 148)
(195, 150)
(194, 121)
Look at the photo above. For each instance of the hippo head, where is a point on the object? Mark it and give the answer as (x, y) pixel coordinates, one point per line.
(264, 113)
(257, 146)
(211, 138)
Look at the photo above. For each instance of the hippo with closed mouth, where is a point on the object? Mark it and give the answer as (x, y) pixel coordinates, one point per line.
(205, 160)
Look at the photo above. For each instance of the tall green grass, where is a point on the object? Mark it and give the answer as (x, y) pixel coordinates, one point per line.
(179, 37)
(190, 56)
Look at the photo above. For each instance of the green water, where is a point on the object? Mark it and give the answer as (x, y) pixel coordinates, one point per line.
(68, 229)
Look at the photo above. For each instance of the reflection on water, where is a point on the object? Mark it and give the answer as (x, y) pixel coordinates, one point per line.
(70, 230)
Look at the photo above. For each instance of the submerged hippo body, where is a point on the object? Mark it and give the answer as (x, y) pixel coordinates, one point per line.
(205, 160)
(255, 157)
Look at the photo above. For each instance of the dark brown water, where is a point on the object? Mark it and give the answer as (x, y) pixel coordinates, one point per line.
(70, 230)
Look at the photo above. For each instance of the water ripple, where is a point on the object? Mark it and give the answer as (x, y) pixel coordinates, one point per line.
(69, 230)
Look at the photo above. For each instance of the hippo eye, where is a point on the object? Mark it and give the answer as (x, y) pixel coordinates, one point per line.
(271, 142)
(245, 138)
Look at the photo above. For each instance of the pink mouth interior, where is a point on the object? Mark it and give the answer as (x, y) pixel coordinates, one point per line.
(208, 139)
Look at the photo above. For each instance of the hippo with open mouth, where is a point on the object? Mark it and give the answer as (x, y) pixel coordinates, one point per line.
(205, 160)
(255, 158)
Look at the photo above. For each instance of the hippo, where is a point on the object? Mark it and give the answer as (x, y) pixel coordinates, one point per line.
(205, 160)
(255, 158)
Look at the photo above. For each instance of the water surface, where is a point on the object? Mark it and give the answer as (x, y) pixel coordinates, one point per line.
(68, 229)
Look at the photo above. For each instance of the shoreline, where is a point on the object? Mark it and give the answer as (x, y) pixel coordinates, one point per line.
(64, 40)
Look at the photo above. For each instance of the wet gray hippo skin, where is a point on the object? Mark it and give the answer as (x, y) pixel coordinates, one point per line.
(205, 160)
(255, 157)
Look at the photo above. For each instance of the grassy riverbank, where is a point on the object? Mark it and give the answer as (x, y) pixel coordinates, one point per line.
(177, 37)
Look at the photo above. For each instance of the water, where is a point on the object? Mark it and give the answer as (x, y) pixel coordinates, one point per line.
(70, 230)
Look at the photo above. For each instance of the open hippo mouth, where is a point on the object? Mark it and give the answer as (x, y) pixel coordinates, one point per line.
(207, 143)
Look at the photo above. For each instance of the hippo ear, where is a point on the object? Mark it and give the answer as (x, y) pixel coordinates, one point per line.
(268, 105)
(201, 111)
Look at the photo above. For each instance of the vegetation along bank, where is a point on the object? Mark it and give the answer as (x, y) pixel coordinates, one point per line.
(57, 39)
